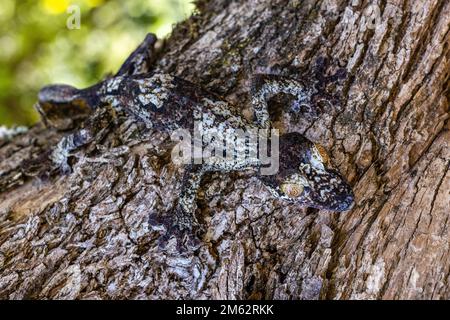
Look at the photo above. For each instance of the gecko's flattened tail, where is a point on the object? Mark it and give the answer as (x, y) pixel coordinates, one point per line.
(60, 104)
(57, 94)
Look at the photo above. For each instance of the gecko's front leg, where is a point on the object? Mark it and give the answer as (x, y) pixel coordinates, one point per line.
(181, 220)
(265, 86)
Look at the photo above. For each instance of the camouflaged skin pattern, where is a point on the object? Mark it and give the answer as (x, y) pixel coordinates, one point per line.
(168, 103)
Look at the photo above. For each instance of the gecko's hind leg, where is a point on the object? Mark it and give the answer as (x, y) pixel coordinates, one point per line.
(63, 150)
(141, 59)
(265, 86)
(60, 105)
(94, 129)
(181, 221)
(322, 81)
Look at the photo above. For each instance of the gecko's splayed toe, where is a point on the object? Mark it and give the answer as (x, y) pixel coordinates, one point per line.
(186, 239)
(346, 203)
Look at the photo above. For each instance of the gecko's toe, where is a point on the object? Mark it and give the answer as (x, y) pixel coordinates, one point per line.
(346, 204)
(186, 239)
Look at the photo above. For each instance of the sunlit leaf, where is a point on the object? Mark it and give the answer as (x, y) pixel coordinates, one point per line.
(55, 6)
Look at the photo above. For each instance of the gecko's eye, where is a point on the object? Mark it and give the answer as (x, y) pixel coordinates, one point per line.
(292, 190)
(293, 186)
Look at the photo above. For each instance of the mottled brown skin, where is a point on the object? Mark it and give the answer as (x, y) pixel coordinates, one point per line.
(167, 103)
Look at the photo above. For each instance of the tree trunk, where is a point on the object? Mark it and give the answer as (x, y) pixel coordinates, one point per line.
(86, 234)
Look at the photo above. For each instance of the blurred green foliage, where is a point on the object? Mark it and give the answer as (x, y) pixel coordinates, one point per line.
(37, 47)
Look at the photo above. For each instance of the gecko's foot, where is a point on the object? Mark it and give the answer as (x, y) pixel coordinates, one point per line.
(185, 231)
(186, 240)
(62, 153)
(323, 80)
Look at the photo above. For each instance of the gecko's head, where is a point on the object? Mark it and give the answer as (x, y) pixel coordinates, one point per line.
(306, 176)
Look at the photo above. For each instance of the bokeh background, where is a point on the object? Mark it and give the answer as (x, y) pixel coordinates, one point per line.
(37, 48)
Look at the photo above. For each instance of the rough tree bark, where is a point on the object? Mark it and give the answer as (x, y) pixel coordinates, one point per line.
(85, 235)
